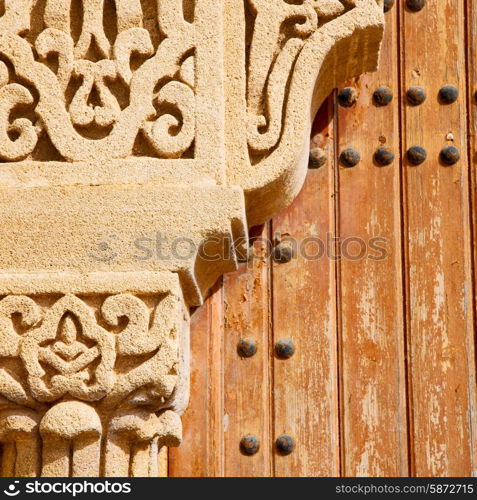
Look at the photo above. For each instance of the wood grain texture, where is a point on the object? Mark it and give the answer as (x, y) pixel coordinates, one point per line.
(247, 388)
(471, 45)
(371, 305)
(438, 265)
(305, 389)
(201, 451)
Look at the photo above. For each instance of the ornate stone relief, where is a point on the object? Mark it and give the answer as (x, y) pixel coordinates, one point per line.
(138, 141)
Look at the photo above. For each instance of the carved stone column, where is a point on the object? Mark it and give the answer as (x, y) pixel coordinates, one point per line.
(139, 139)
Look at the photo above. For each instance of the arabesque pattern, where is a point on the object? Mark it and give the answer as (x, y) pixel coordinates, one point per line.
(94, 95)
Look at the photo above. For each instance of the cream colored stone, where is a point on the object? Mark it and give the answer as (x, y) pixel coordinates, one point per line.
(138, 142)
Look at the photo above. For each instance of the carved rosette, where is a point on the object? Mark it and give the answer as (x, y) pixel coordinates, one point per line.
(128, 130)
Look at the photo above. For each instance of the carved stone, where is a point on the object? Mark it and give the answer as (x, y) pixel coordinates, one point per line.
(139, 139)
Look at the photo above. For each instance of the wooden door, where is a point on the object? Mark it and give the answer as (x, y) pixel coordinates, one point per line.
(379, 299)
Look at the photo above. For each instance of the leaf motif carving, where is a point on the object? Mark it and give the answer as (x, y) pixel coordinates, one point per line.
(96, 94)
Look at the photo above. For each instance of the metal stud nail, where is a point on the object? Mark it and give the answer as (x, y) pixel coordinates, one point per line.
(416, 155)
(285, 348)
(249, 444)
(384, 156)
(416, 95)
(318, 158)
(388, 5)
(247, 347)
(448, 94)
(382, 96)
(415, 5)
(349, 157)
(285, 444)
(347, 97)
(283, 253)
(449, 155)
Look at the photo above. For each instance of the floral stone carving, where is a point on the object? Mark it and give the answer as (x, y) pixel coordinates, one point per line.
(139, 139)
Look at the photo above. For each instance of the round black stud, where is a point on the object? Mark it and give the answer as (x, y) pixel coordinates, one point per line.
(382, 96)
(388, 5)
(249, 444)
(415, 5)
(416, 155)
(285, 348)
(448, 94)
(450, 155)
(416, 95)
(318, 158)
(247, 347)
(384, 156)
(347, 97)
(350, 158)
(283, 253)
(285, 444)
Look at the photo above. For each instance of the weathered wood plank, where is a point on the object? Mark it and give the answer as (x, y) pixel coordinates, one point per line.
(471, 45)
(440, 305)
(201, 451)
(247, 379)
(373, 381)
(304, 309)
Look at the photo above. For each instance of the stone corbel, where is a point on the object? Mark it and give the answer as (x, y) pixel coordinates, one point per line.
(139, 140)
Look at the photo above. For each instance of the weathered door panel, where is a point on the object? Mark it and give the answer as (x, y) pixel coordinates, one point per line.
(382, 381)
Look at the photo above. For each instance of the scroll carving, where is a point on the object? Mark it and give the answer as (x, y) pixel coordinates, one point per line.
(96, 95)
(280, 30)
(297, 52)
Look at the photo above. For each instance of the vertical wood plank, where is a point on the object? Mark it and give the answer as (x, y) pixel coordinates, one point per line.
(440, 306)
(247, 380)
(471, 44)
(304, 309)
(201, 451)
(373, 380)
